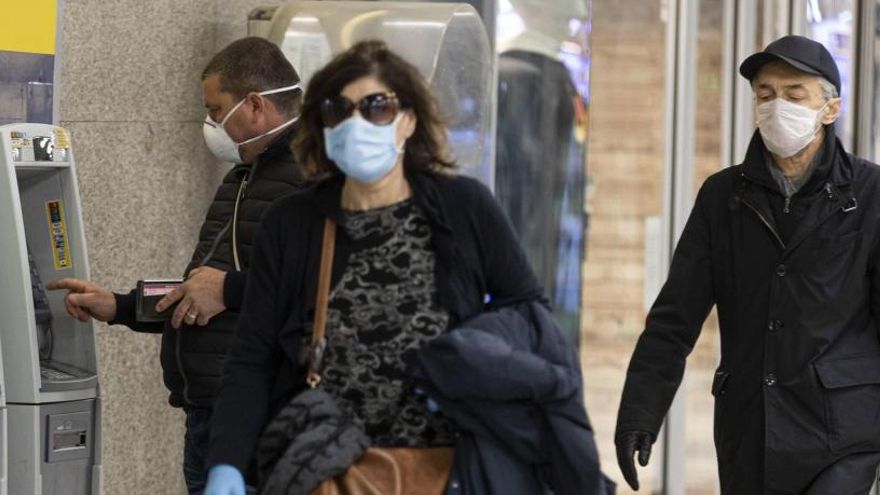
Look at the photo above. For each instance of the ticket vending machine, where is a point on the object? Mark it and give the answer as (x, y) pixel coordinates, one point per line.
(453, 53)
(49, 361)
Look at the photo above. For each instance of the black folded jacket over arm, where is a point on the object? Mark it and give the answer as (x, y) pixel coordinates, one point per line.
(512, 383)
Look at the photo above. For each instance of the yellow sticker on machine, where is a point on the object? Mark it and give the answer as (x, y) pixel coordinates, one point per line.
(62, 138)
(58, 234)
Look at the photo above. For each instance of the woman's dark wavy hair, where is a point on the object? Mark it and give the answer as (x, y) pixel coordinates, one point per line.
(425, 150)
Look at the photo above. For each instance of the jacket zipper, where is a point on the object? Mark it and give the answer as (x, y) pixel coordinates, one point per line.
(216, 243)
(787, 208)
(238, 199)
(186, 399)
(230, 223)
(765, 222)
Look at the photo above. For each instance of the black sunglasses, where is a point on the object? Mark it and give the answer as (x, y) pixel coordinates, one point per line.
(377, 108)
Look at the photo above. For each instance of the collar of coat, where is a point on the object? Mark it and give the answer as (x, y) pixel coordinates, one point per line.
(278, 150)
(277, 153)
(835, 166)
(425, 194)
(832, 180)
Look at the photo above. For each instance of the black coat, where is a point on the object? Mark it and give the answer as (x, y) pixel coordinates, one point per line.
(477, 256)
(798, 386)
(193, 356)
(511, 383)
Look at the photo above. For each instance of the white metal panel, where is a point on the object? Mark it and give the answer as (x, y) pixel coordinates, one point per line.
(864, 103)
(4, 451)
(17, 327)
(743, 100)
(24, 437)
(681, 76)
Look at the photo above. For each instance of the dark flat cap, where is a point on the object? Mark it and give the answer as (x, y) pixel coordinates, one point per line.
(801, 53)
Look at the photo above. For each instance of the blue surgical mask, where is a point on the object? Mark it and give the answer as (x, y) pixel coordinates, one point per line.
(363, 151)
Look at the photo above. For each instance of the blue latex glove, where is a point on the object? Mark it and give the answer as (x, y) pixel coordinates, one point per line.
(224, 479)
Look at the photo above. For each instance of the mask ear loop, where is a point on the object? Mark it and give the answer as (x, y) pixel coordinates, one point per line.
(222, 123)
(822, 110)
(819, 123)
(281, 90)
(263, 93)
(402, 147)
(272, 131)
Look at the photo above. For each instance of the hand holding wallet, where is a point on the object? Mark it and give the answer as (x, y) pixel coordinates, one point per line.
(149, 293)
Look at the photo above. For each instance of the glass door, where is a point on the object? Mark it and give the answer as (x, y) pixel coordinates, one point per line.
(833, 23)
(540, 167)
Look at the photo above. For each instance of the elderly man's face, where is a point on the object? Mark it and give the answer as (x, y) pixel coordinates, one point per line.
(780, 80)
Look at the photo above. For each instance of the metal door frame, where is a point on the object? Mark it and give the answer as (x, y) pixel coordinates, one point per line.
(682, 18)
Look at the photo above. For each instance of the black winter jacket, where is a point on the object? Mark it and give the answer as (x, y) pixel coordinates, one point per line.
(798, 386)
(511, 383)
(477, 256)
(193, 356)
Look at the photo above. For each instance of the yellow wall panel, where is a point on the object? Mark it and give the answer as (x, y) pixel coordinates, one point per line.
(28, 26)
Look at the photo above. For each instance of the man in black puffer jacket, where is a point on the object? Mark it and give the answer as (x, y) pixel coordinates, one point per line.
(253, 98)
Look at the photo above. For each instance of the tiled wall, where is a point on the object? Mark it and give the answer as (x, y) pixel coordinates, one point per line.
(131, 97)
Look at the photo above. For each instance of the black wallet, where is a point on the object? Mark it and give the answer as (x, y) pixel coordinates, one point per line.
(149, 293)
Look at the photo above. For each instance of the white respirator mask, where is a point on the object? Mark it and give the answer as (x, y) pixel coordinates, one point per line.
(218, 140)
(787, 127)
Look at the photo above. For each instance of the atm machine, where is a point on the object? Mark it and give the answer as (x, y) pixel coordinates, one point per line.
(49, 361)
(453, 53)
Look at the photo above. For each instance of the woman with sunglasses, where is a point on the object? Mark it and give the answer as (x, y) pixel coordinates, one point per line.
(418, 249)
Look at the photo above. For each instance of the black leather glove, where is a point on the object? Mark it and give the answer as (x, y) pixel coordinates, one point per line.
(627, 443)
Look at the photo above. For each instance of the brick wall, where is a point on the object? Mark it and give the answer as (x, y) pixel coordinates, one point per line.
(625, 162)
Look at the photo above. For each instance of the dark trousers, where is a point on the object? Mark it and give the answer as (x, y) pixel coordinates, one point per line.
(852, 475)
(195, 448)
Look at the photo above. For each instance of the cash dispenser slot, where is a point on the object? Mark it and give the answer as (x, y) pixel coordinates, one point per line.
(68, 435)
(70, 440)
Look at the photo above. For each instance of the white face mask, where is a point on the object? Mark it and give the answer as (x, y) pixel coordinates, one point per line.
(218, 140)
(787, 127)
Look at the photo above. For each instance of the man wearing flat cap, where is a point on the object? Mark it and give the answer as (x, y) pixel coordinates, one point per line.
(787, 245)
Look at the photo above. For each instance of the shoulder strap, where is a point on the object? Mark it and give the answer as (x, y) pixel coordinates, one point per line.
(319, 328)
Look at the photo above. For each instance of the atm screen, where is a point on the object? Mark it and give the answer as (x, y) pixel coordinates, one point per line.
(42, 312)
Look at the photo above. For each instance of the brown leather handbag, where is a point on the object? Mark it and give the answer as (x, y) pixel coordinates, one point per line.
(380, 471)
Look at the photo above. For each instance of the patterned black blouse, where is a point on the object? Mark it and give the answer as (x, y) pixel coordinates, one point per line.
(385, 305)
